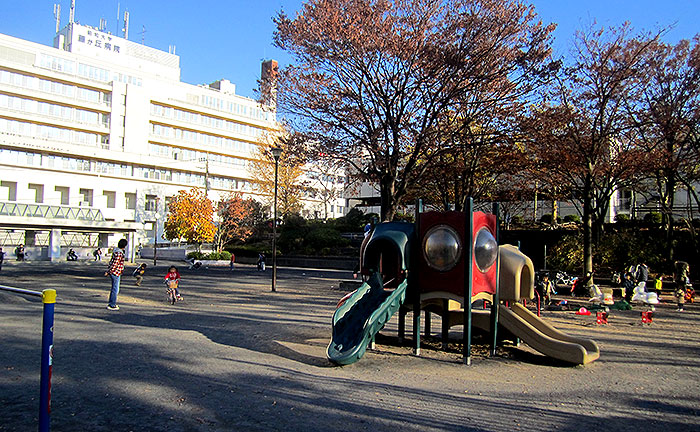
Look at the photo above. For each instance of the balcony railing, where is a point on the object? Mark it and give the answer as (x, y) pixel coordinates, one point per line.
(50, 211)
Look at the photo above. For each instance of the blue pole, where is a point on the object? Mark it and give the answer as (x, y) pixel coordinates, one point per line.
(49, 299)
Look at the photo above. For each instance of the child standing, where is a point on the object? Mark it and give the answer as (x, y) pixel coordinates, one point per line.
(138, 273)
(658, 284)
(682, 279)
(172, 279)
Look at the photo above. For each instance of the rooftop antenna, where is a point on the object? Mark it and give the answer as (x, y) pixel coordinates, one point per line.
(57, 15)
(126, 24)
(72, 12)
(143, 34)
(119, 6)
(103, 24)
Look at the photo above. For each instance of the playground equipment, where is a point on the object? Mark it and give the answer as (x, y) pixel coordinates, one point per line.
(430, 266)
(48, 297)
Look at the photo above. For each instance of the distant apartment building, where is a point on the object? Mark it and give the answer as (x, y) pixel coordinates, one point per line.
(97, 132)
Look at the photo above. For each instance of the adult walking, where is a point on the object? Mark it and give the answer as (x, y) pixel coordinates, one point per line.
(642, 276)
(114, 271)
(19, 252)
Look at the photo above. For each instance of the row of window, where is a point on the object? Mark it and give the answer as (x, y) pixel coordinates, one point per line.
(53, 133)
(235, 108)
(85, 196)
(204, 120)
(327, 178)
(53, 110)
(225, 144)
(53, 87)
(85, 70)
(187, 155)
(14, 157)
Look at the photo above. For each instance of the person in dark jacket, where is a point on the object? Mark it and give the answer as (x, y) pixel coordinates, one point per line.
(628, 287)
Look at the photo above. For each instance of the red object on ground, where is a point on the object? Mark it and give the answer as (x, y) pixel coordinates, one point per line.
(583, 311)
(647, 317)
(601, 318)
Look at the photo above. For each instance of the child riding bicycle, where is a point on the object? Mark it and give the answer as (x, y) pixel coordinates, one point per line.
(172, 280)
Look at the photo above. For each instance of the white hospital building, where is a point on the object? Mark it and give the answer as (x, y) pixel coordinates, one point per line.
(97, 132)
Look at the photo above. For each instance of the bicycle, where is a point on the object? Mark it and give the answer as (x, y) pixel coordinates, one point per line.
(563, 278)
(171, 293)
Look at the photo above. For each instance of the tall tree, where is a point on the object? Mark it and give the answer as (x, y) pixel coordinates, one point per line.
(583, 133)
(190, 217)
(235, 219)
(667, 114)
(373, 78)
(290, 182)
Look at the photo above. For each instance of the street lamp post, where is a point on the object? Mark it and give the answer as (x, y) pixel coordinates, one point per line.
(276, 153)
(155, 238)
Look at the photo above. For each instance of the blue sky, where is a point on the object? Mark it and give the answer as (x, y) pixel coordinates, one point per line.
(229, 39)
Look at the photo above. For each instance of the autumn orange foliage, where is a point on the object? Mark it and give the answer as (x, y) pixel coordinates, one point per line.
(190, 217)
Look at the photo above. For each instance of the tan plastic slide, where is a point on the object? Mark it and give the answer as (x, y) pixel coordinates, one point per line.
(546, 339)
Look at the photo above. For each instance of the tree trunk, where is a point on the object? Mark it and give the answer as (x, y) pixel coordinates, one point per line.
(667, 215)
(387, 187)
(588, 228)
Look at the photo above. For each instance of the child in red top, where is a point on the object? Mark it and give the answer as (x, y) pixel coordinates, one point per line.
(172, 279)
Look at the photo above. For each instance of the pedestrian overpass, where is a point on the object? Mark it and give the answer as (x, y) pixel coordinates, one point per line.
(51, 223)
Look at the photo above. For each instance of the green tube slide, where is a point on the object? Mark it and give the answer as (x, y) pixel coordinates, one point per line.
(357, 320)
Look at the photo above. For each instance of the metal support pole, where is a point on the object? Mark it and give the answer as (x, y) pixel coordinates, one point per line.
(445, 323)
(427, 326)
(414, 285)
(402, 324)
(496, 295)
(49, 299)
(467, 295)
(276, 153)
(155, 235)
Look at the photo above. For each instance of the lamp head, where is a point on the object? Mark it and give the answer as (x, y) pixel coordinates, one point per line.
(276, 152)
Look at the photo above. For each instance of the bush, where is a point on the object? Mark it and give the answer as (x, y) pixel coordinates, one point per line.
(517, 220)
(322, 238)
(567, 254)
(572, 218)
(196, 255)
(653, 217)
(354, 221)
(622, 218)
(547, 218)
(298, 235)
(218, 256)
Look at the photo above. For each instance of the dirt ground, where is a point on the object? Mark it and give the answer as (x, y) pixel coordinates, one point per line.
(234, 356)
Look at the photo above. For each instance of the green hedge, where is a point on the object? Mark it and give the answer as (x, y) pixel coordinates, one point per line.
(213, 256)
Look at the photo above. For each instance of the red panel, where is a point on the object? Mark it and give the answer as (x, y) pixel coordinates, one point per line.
(483, 282)
(452, 280)
(429, 279)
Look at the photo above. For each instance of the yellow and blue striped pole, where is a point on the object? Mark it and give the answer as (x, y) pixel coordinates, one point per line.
(48, 297)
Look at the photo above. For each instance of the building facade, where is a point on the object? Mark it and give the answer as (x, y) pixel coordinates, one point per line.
(102, 127)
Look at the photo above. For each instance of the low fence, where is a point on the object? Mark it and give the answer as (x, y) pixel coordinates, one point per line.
(48, 297)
